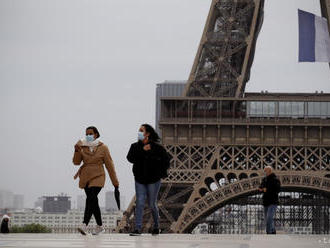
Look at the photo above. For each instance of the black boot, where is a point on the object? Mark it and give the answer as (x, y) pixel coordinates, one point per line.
(155, 231)
(135, 233)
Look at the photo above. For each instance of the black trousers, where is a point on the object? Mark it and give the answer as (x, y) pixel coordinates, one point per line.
(92, 205)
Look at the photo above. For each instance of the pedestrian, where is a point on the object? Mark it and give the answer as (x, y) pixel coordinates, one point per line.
(150, 163)
(270, 186)
(5, 224)
(91, 174)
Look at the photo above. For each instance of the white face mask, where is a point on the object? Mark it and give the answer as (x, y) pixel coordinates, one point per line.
(140, 136)
(90, 138)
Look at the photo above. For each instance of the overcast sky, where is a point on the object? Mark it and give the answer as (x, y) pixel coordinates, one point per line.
(68, 64)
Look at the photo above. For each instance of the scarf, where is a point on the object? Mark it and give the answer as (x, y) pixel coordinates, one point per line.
(90, 145)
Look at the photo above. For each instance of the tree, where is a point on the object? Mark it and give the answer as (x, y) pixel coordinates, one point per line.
(30, 228)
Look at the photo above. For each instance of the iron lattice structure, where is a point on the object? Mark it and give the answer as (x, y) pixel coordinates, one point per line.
(298, 213)
(221, 138)
(225, 55)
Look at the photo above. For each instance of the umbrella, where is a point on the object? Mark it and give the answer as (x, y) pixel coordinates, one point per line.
(117, 197)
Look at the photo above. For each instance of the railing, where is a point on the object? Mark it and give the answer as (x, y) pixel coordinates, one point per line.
(272, 121)
(208, 109)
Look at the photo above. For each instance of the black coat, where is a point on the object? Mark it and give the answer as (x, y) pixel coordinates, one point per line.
(148, 166)
(273, 186)
(4, 226)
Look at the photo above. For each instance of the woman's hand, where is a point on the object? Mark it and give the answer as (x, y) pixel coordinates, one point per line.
(77, 148)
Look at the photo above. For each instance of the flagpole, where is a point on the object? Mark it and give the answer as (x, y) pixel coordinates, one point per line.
(325, 9)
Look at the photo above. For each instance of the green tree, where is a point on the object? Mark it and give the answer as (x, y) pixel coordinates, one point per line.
(30, 228)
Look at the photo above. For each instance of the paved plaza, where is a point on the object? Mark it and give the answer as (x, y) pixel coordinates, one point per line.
(165, 241)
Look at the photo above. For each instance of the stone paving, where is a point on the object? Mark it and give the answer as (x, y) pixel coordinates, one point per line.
(164, 241)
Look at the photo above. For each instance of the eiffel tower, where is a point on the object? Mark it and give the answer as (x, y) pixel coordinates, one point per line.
(220, 137)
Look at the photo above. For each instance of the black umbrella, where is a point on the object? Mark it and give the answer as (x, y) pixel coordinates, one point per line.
(117, 197)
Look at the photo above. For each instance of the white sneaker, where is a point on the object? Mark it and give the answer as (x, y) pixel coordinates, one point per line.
(98, 230)
(83, 229)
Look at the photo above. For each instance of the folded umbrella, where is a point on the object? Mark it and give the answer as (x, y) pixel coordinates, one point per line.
(117, 197)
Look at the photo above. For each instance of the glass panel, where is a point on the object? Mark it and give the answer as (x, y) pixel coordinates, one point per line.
(314, 109)
(285, 109)
(168, 109)
(268, 109)
(259, 108)
(297, 109)
(317, 108)
(253, 109)
(324, 108)
(310, 108)
(256, 109)
(182, 109)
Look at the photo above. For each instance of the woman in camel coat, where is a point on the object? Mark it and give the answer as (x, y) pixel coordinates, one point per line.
(91, 174)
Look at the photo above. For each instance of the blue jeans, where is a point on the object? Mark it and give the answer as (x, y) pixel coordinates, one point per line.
(269, 218)
(143, 191)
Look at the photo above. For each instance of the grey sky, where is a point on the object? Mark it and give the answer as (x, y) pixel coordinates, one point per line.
(67, 64)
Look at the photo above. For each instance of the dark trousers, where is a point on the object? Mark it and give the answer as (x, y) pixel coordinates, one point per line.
(142, 192)
(269, 218)
(92, 205)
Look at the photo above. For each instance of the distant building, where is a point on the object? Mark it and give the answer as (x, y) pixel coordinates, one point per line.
(6, 199)
(63, 222)
(110, 201)
(18, 202)
(39, 203)
(167, 89)
(9, 200)
(56, 204)
(81, 201)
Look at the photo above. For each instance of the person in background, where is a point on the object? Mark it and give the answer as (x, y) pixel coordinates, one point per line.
(5, 224)
(93, 153)
(270, 186)
(150, 163)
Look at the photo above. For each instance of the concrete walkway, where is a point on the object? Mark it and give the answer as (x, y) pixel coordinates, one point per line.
(164, 241)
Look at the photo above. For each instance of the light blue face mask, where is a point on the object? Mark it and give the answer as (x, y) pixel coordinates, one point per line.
(140, 136)
(90, 138)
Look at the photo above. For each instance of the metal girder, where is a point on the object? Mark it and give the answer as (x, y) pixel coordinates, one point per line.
(307, 213)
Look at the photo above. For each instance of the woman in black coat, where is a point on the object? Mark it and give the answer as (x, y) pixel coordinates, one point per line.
(5, 224)
(150, 163)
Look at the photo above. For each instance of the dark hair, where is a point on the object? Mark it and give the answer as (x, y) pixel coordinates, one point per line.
(94, 130)
(153, 136)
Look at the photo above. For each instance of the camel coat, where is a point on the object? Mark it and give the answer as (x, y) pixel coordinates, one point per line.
(92, 172)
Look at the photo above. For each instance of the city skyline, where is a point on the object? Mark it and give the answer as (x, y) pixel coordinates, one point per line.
(75, 204)
(9, 199)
